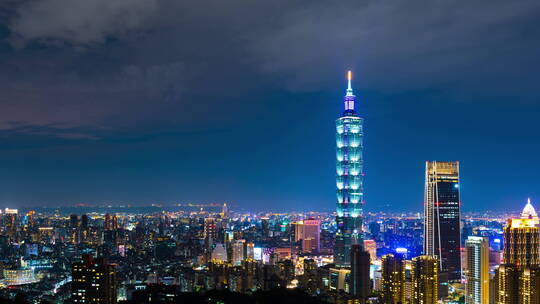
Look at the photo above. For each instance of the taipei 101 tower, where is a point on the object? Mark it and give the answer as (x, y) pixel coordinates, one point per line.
(349, 179)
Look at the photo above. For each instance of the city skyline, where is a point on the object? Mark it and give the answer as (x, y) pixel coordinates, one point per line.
(163, 256)
(199, 152)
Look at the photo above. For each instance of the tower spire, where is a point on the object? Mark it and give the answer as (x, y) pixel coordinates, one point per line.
(349, 87)
(349, 99)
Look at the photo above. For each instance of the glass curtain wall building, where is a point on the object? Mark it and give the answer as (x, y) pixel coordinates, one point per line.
(442, 216)
(349, 169)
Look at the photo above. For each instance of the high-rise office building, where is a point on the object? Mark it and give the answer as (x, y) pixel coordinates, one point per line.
(507, 284)
(360, 281)
(225, 211)
(210, 229)
(477, 271)
(94, 281)
(521, 239)
(425, 280)
(349, 172)
(393, 280)
(518, 280)
(249, 250)
(10, 222)
(238, 252)
(529, 285)
(309, 233)
(442, 216)
(108, 224)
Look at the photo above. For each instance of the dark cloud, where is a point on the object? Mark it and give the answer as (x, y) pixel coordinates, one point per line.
(68, 100)
(78, 21)
(121, 64)
(404, 45)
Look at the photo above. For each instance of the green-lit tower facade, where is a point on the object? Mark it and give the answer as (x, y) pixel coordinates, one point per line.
(349, 180)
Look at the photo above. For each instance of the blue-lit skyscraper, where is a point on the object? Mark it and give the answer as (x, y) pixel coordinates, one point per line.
(349, 178)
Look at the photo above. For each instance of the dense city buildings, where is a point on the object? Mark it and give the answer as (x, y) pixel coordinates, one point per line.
(349, 179)
(164, 255)
(442, 236)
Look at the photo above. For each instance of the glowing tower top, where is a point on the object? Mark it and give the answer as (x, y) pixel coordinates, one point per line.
(349, 100)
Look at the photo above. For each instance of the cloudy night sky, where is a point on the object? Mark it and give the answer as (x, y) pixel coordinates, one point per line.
(145, 101)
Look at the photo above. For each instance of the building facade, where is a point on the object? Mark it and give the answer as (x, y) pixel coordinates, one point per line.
(349, 179)
(360, 281)
(530, 285)
(517, 281)
(309, 233)
(477, 271)
(393, 280)
(94, 281)
(425, 280)
(521, 239)
(442, 216)
(507, 284)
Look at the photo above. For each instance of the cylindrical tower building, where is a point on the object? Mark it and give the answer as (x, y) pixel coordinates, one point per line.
(349, 180)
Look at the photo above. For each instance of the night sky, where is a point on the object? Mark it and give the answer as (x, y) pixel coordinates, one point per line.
(145, 101)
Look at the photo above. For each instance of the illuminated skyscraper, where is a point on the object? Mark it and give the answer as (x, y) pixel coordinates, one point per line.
(441, 216)
(238, 252)
(108, 222)
(521, 239)
(518, 280)
(393, 280)
(309, 232)
(349, 169)
(425, 280)
(477, 272)
(210, 230)
(530, 285)
(94, 281)
(225, 211)
(11, 222)
(507, 284)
